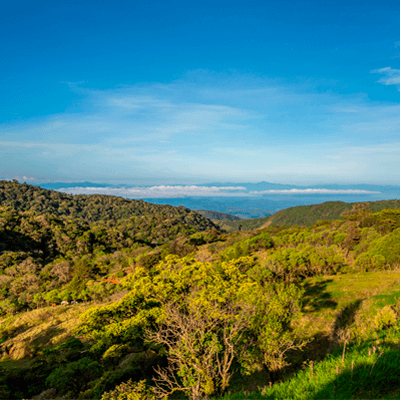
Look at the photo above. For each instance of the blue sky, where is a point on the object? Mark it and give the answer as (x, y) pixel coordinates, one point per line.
(191, 92)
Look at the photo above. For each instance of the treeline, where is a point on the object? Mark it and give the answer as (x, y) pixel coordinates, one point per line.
(330, 210)
(305, 215)
(92, 208)
(218, 216)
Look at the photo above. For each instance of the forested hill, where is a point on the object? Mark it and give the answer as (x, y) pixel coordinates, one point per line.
(146, 306)
(92, 208)
(305, 215)
(218, 216)
(330, 210)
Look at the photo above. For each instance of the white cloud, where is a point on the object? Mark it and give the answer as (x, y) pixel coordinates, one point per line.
(163, 191)
(392, 75)
(127, 117)
(160, 191)
(315, 191)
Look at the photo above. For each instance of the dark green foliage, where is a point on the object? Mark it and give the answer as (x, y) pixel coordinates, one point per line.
(46, 258)
(243, 224)
(22, 383)
(206, 237)
(218, 216)
(329, 211)
(22, 197)
(308, 215)
(74, 376)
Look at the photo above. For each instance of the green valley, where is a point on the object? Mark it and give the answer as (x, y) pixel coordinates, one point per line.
(107, 298)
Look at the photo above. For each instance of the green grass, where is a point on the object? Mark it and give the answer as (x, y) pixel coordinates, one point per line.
(371, 366)
(367, 371)
(383, 300)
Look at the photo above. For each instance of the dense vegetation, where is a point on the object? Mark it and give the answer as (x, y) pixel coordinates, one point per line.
(218, 216)
(45, 258)
(93, 208)
(305, 215)
(168, 309)
(244, 224)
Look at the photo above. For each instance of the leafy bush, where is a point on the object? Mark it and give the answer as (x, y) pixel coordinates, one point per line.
(130, 391)
(245, 247)
(389, 247)
(370, 262)
(74, 376)
(385, 318)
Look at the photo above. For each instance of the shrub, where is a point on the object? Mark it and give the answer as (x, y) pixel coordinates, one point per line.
(385, 318)
(370, 262)
(389, 247)
(74, 376)
(130, 391)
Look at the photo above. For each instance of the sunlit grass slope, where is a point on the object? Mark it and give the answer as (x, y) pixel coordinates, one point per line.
(354, 346)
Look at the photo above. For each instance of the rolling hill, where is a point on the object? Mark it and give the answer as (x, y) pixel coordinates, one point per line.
(96, 305)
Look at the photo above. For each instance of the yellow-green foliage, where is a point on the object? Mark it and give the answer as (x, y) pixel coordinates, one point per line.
(181, 295)
(385, 318)
(130, 391)
(247, 246)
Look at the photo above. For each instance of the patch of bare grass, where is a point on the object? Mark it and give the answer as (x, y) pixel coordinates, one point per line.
(39, 328)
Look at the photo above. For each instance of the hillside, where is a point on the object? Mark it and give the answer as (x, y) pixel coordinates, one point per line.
(304, 215)
(241, 225)
(331, 210)
(218, 216)
(154, 305)
(92, 208)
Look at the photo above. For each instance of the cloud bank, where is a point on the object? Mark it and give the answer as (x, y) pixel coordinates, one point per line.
(160, 191)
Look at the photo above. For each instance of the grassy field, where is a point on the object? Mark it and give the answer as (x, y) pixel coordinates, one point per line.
(365, 372)
(348, 356)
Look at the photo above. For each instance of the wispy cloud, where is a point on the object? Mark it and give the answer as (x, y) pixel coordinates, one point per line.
(392, 76)
(128, 117)
(216, 130)
(160, 191)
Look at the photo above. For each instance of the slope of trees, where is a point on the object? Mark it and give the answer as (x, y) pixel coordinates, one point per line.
(331, 210)
(47, 259)
(218, 216)
(197, 309)
(92, 208)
